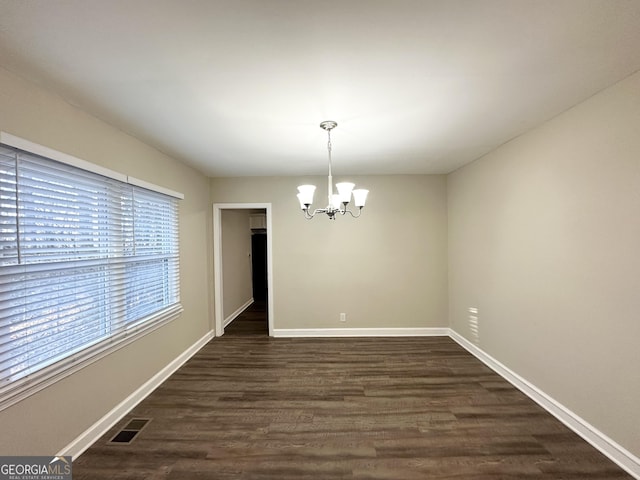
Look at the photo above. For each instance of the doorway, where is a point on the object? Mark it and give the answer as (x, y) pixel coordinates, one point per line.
(259, 280)
(266, 263)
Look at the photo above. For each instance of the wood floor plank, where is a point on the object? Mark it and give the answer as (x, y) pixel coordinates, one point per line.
(252, 407)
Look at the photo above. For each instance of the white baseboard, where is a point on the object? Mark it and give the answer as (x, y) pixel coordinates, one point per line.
(359, 332)
(233, 316)
(98, 429)
(615, 452)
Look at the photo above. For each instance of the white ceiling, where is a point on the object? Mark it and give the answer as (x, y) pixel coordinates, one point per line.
(239, 87)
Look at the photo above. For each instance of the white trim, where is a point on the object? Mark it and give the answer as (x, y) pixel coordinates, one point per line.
(37, 149)
(78, 446)
(235, 314)
(155, 188)
(218, 284)
(361, 332)
(608, 447)
(217, 262)
(270, 283)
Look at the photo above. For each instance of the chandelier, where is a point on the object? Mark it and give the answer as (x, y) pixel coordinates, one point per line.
(338, 202)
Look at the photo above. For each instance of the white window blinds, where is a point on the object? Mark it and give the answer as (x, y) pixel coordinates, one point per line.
(85, 262)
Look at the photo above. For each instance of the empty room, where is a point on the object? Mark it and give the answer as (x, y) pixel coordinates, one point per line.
(280, 239)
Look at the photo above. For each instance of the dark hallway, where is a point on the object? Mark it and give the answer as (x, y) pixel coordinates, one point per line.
(250, 323)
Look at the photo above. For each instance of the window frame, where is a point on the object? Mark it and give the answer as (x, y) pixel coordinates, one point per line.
(70, 363)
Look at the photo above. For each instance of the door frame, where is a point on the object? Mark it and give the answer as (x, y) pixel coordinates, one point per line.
(218, 311)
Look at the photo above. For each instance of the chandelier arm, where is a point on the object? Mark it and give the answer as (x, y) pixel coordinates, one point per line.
(354, 215)
(307, 215)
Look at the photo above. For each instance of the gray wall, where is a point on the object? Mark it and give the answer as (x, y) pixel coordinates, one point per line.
(544, 236)
(387, 268)
(47, 421)
(236, 262)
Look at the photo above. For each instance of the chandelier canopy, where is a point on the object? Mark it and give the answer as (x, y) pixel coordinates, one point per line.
(337, 202)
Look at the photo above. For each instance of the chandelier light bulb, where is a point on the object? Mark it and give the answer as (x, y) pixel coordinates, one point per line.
(344, 190)
(305, 195)
(360, 197)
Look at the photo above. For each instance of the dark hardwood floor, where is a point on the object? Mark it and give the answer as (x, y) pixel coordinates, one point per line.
(251, 323)
(252, 407)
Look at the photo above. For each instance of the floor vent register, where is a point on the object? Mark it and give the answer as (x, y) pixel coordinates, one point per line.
(130, 431)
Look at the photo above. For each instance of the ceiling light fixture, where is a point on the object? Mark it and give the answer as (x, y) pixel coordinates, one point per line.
(337, 201)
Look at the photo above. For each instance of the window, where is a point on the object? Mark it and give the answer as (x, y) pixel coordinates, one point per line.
(87, 262)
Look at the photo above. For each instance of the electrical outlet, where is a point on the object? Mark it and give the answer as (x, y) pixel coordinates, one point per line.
(343, 317)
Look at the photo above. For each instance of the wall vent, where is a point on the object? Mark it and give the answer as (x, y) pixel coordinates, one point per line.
(474, 325)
